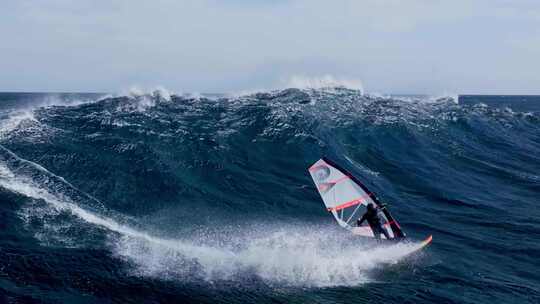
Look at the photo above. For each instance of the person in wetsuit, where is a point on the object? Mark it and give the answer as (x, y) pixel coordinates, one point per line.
(372, 217)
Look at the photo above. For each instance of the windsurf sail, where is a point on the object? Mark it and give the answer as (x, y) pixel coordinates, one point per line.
(346, 198)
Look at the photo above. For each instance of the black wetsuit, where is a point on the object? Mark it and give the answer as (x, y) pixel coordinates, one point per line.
(372, 217)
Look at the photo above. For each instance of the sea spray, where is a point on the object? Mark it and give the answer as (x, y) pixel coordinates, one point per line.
(290, 256)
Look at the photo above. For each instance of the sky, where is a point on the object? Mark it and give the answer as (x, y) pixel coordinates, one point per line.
(219, 46)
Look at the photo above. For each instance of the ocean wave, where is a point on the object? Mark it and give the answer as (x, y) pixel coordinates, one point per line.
(205, 189)
(290, 256)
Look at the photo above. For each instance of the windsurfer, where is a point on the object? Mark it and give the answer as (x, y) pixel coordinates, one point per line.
(372, 217)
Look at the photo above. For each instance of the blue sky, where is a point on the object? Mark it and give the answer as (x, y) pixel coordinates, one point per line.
(390, 46)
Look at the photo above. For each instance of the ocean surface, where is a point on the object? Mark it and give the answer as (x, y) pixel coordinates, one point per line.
(162, 198)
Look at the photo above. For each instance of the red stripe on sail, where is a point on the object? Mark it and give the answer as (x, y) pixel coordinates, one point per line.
(325, 186)
(315, 167)
(349, 203)
(346, 205)
(339, 180)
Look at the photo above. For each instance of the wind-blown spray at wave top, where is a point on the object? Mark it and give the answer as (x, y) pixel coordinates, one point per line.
(196, 189)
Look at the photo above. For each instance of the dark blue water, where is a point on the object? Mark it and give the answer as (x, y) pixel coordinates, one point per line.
(173, 199)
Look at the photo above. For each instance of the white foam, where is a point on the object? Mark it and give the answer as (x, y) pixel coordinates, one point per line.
(54, 100)
(323, 82)
(143, 99)
(158, 92)
(290, 255)
(286, 255)
(133, 91)
(14, 120)
(162, 93)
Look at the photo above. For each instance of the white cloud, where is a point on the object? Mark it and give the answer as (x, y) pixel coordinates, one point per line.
(210, 45)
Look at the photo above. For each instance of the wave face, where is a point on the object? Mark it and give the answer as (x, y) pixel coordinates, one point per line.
(154, 197)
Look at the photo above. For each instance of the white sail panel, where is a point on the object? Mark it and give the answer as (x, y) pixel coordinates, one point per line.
(343, 197)
(337, 190)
